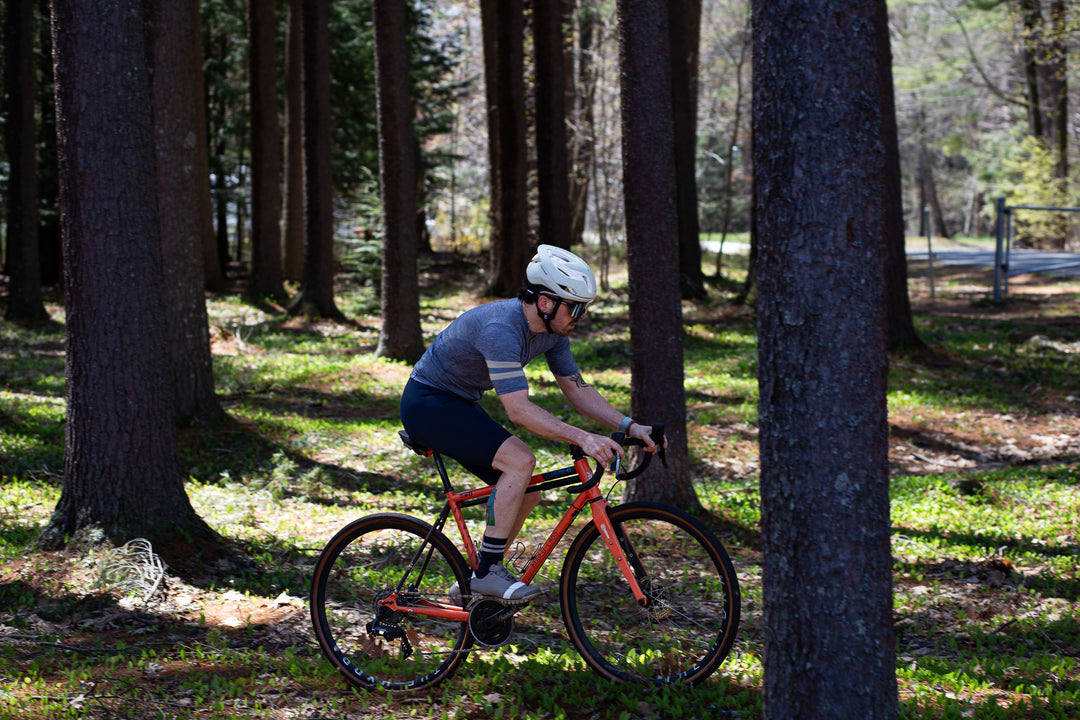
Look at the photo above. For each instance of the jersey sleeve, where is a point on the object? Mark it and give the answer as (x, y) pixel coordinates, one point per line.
(500, 347)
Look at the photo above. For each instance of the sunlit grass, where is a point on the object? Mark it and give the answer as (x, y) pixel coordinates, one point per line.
(317, 447)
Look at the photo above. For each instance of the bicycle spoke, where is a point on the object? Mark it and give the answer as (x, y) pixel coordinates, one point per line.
(374, 646)
(689, 623)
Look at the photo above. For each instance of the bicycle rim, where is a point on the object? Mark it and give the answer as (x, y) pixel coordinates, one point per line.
(373, 647)
(689, 625)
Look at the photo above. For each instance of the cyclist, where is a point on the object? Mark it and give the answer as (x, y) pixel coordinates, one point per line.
(486, 348)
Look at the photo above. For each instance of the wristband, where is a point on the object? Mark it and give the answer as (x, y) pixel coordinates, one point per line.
(625, 424)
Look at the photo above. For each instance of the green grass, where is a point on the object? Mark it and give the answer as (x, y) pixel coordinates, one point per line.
(986, 583)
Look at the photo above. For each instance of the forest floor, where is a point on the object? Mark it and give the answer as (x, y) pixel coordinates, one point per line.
(232, 638)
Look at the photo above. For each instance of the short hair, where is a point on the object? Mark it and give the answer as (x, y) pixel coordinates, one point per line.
(530, 291)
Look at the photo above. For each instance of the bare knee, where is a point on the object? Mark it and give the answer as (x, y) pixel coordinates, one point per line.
(515, 457)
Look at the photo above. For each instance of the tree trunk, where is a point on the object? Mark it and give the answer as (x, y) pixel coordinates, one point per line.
(292, 223)
(1031, 16)
(49, 252)
(747, 294)
(929, 194)
(219, 258)
(503, 28)
(122, 476)
(1045, 55)
(552, 171)
(400, 337)
(1054, 80)
(583, 140)
(25, 301)
(685, 30)
(900, 324)
(267, 278)
(316, 297)
(823, 173)
(729, 169)
(652, 225)
(183, 193)
(216, 247)
(1058, 87)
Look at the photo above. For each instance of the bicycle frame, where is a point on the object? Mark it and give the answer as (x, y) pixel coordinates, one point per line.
(588, 494)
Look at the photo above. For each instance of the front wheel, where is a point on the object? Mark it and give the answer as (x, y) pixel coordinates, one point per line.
(373, 646)
(689, 623)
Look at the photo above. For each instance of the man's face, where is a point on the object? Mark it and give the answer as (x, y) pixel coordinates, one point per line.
(563, 323)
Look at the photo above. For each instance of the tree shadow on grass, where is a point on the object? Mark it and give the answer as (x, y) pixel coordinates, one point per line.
(1045, 583)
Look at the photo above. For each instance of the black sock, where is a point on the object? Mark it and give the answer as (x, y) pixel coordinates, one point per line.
(491, 553)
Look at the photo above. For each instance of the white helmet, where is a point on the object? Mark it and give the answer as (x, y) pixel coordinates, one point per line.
(563, 273)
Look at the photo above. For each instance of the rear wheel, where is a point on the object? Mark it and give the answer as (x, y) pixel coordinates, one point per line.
(689, 623)
(375, 647)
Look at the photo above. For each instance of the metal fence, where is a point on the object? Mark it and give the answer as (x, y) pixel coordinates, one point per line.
(1003, 250)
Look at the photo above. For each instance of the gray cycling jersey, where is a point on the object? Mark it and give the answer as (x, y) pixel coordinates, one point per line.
(488, 347)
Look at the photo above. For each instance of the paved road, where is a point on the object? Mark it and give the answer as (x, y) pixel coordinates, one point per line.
(1020, 261)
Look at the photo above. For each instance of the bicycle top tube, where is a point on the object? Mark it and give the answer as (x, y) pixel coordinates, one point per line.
(560, 477)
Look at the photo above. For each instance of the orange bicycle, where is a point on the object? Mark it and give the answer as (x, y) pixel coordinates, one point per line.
(648, 593)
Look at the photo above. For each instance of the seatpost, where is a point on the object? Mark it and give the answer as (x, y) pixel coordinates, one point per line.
(441, 466)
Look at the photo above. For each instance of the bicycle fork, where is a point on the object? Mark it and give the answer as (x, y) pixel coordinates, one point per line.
(618, 543)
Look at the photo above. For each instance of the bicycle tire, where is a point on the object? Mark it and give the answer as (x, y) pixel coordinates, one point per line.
(362, 562)
(689, 625)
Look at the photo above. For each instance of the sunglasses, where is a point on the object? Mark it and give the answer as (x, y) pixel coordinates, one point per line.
(575, 309)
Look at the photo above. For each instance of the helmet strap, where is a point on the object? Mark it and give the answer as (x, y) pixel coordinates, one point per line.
(547, 317)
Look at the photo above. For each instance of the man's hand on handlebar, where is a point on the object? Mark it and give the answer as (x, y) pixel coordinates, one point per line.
(643, 433)
(601, 448)
(604, 449)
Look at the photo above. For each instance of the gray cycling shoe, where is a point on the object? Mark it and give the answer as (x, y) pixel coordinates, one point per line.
(500, 585)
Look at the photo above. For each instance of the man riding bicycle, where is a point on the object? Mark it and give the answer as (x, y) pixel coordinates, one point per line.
(488, 347)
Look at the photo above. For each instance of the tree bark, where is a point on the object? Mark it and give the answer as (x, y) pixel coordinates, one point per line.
(25, 303)
(929, 195)
(503, 28)
(292, 223)
(216, 252)
(400, 336)
(122, 476)
(1031, 17)
(823, 176)
(49, 252)
(583, 140)
(552, 158)
(899, 321)
(685, 30)
(183, 192)
(316, 296)
(649, 186)
(267, 279)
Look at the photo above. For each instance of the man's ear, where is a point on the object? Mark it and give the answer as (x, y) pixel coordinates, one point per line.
(544, 304)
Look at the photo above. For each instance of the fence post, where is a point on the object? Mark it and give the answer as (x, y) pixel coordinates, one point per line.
(999, 250)
(929, 247)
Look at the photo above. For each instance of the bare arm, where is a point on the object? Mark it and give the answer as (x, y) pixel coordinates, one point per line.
(587, 401)
(525, 413)
(591, 404)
